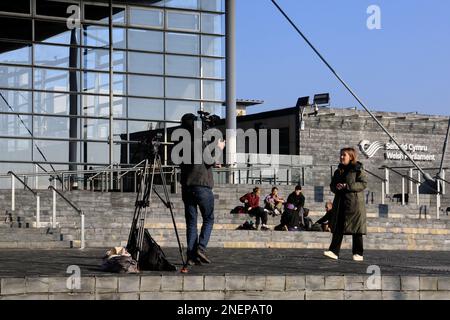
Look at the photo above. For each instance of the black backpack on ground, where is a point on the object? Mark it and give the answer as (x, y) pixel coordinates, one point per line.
(152, 257)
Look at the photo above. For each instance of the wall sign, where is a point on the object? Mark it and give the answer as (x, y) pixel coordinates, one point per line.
(392, 151)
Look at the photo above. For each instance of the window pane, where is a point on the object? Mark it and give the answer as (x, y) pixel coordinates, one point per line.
(15, 53)
(15, 77)
(146, 17)
(182, 66)
(145, 40)
(57, 151)
(17, 6)
(212, 90)
(188, 4)
(97, 152)
(101, 14)
(182, 43)
(212, 46)
(95, 59)
(10, 125)
(97, 106)
(96, 82)
(56, 56)
(176, 109)
(20, 101)
(138, 126)
(182, 88)
(54, 102)
(56, 32)
(119, 128)
(54, 127)
(213, 5)
(214, 108)
(96, 129)
(213, 23)
(145, 63)
(53, 8)
(120, 107)
(119, 38)
(213, 68)
(95, 36)
(145, 86)
(145, 109)
(119, 83)
(15, 149)
(55, 80)
(183, 20)
(13, 28)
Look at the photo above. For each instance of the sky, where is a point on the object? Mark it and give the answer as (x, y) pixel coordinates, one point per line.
(402, 67)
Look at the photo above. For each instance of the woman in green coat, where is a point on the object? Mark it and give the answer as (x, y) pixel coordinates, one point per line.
(349, 212)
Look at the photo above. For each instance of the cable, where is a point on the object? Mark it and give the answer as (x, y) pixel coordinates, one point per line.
(425, 175)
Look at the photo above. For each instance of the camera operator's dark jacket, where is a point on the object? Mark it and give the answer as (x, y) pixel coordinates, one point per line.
(196, 175)
(349, 203)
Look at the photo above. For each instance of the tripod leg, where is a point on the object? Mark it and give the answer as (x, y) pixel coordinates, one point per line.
(166, 193)
(137, 210)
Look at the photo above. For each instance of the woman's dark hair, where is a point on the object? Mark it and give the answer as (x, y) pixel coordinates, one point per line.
(274, 188)
(255, 189)
(298, 187)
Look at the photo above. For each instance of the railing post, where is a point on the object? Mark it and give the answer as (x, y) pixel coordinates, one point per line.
(303, 175)
(287, 176)
(62, 181)
(36, 178)
(382, 193)
(274, 176)
(418, 188)
(386, 173)
(13, 193)
(411, 190)
(38, 211)
(443, 182)
(82, 231)
(239, 176)
(54, 206)
(403, 190)
(260, 176)
(438, 199)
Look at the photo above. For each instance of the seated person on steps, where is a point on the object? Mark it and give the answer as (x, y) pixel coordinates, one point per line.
(291, 219)
(274, 203)
(251, 203)
(325, 220)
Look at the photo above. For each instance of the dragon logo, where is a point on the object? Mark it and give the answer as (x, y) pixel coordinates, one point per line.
(369, 149)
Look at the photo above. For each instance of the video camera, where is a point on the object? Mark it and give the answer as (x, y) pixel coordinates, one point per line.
(208, 120)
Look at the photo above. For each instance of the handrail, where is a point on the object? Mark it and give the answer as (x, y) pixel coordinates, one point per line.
(131, 169)
(402, 175)
(102, 171)
(67, 200)
(80, 212)
(375, 175)
(21, 181)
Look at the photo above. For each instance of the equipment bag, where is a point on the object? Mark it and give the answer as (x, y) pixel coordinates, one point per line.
(152, 257)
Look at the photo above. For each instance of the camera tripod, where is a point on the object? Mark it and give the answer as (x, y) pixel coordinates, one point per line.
(145, 189)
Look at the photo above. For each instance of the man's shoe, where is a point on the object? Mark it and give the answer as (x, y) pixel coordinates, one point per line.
(194, 262)
(357, 257)
(202, 256)
(265, 228)
(331, 255)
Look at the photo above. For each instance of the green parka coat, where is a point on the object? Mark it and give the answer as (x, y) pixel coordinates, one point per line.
(349, 203)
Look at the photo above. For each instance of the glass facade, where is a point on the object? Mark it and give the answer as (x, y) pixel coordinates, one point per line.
(168, 58)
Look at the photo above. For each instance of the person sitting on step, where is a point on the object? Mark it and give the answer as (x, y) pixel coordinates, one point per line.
(274, 203)
(251, 204)
(325, 220)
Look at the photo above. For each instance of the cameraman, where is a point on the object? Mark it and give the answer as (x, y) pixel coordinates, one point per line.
(197, 183)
